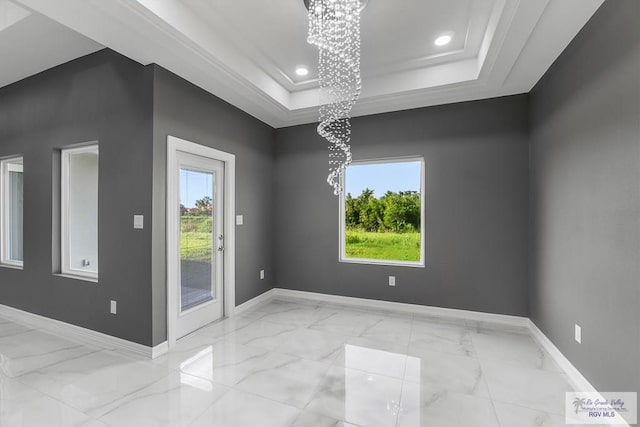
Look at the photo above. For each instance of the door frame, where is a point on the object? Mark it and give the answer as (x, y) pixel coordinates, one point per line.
(174, 145)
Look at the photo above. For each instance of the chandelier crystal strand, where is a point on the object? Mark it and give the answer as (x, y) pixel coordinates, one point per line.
(334, 27)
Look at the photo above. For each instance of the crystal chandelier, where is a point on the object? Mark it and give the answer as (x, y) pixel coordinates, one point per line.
(334, 27)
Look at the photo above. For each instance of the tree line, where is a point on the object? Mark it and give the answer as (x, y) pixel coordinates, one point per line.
(204, 207)
(397, 212)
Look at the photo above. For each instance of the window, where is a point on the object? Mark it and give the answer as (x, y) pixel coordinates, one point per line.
(382, 212)
(79, 211)
(11, 211)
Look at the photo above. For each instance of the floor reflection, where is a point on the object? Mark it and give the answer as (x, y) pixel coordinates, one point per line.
(289, 364)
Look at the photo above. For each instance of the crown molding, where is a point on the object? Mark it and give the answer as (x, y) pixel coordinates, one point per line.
(521, 41)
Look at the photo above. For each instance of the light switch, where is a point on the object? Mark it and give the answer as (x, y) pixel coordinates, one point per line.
(113, 308)
(138, 222)
(239, 219)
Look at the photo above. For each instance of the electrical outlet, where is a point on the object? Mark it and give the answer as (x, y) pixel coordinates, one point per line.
(261, 274)
(113, 307)
(392, 280)
(578, 334)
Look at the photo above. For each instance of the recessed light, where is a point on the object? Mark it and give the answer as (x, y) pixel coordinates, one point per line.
(443, 40)
(302, 71)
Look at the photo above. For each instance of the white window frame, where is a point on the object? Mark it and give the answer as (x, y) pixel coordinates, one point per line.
(4, 213)
(342, 219)
(64, 212)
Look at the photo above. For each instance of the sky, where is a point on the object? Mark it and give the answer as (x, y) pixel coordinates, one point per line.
(194, 186)
(383, 177)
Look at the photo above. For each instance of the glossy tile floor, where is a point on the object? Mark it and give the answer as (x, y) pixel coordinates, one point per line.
(289, 364)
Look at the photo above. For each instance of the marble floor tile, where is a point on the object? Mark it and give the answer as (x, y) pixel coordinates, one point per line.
(186, 350)
(375, 356)
(443, 337)
(461, 374)
(93, 423)
(267, 335)
(532, 388)
(176, 400)
(515, 348)
(227, 362)
(392, 329)
(371, 322)
(287, 363)
(251, 315)
(512, 415)
(91, 382)
(357, 397)
(387, 313)
(291, 381)
(34, 349)
(23, 406)
(8, 328)
(379, 344)
(299, 316)
(439, 320)
(311, 419)
(343, 322)
(480, 326)
(281, 305)
(311, 344)
(225, 326)
(423, 406)
(233, 373)
(240, 409)
(347, 308)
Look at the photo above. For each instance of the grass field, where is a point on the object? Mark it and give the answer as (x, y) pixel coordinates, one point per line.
(195, 238)
(388, 246)
(196, 243)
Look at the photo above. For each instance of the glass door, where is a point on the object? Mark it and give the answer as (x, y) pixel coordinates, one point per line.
(201, 242)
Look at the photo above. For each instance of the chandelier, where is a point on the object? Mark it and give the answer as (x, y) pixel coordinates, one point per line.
(334, 27)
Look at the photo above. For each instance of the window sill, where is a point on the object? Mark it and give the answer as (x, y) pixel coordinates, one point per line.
(77, 277)
(382, 262)
(12, 266)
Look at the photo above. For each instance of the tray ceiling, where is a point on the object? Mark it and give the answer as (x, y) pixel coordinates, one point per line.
(247, 52)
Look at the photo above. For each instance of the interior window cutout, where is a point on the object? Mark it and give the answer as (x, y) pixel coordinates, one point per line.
(79, 211)
(11, 211)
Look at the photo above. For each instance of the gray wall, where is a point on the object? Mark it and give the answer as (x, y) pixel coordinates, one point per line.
(102, 97)
(476, 207)
(186, 111)
(585, 199)
(130, 110)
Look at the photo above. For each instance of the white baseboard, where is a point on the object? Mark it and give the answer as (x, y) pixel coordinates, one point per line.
(81, 334)
(576, 379)
(253, 302)
(159, 349)
(403, 307)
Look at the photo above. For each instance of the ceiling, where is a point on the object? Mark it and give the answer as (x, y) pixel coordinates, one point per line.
(31, 43)
(246, 52)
